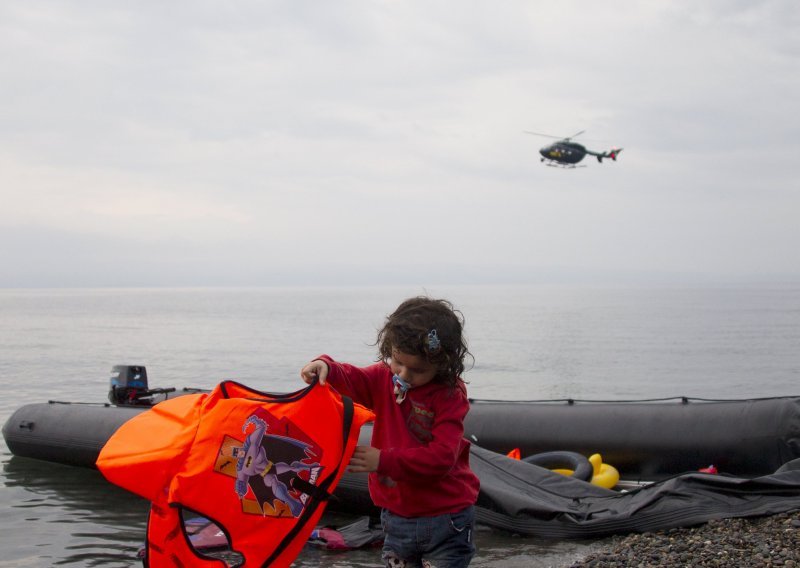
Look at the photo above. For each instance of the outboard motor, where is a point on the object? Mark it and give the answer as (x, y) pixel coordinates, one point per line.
(128, 385)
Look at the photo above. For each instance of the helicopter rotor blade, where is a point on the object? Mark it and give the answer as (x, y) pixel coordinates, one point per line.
(540, 134)
(567, 139)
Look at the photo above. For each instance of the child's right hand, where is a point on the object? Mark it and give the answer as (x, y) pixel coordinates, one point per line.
(315, 370)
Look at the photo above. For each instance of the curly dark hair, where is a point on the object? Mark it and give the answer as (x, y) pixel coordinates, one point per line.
(408, 329)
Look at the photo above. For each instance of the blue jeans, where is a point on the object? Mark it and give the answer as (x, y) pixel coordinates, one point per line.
(444, 541)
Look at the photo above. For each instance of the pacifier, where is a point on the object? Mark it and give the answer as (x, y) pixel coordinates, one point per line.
(400, 388)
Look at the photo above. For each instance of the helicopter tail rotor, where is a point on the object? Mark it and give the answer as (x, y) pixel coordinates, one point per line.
(613, 153)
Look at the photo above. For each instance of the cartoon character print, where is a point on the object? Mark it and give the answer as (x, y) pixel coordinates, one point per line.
(266, 466)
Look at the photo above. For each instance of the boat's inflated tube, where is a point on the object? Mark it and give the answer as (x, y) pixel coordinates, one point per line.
(64, 432)
(648, 440)
(643, 440)
(579, 464)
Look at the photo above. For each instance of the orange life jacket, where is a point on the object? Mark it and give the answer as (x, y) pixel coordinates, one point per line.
(259, 465)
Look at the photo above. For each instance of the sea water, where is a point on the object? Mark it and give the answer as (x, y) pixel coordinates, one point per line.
(529, 343)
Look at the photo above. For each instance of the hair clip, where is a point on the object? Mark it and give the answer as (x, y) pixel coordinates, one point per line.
(400, 388)
(433, 340)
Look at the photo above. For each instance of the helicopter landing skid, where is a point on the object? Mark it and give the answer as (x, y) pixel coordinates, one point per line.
(564, 166)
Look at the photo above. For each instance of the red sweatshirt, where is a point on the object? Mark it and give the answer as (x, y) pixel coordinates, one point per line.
(424, 464)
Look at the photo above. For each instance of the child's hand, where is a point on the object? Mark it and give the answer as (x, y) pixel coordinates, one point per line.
(365, 459)
(314, 370)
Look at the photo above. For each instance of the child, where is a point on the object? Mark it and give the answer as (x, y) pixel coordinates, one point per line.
(419, 460)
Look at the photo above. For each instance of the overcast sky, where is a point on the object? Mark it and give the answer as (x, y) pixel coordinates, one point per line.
(202, 143)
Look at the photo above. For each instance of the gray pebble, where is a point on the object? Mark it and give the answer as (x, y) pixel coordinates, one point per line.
(744, 543)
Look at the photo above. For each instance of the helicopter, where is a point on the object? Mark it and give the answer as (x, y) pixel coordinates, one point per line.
(565, 153)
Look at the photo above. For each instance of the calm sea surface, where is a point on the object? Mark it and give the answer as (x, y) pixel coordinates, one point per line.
(528, 343)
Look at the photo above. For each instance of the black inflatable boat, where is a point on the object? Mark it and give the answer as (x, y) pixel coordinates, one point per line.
(661, 445)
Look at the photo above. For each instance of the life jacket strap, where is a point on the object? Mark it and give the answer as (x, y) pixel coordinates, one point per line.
(312, 490)
(347, 423)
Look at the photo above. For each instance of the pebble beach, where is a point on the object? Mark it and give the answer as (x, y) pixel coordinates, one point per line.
(736, 542)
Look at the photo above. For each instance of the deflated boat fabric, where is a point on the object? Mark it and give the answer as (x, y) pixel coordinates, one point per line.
(531, 500)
